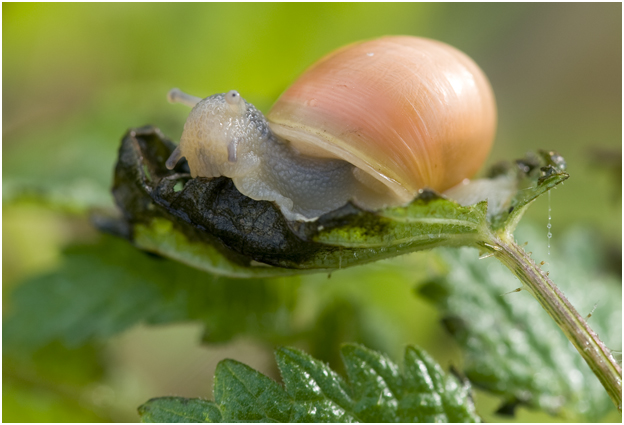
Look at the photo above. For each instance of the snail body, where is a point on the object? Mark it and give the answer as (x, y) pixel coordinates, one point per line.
(372, 122)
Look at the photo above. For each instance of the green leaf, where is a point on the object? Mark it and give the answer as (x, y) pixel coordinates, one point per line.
(533, 180)
(75, 197)
(51, 384)
(105, 288)
(208, 224)
(511, 346)
(179, 410)
(376, 392)
(65, 167)
(245, 394)
(160, 236)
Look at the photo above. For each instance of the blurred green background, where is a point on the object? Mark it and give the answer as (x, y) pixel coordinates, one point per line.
(76, 76)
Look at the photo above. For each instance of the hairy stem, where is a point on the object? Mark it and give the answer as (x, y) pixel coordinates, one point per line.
(576, 329)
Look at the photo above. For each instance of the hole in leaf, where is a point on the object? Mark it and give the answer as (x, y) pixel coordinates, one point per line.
(147, 173)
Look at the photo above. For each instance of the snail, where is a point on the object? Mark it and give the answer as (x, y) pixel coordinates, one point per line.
(373, 122)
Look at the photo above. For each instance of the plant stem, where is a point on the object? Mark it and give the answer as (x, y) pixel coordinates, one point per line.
(576, 329)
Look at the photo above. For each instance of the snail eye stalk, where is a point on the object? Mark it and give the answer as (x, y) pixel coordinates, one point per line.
(235, 101)
(232, 97)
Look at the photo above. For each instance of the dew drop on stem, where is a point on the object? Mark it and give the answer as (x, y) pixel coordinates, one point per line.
(549, 225)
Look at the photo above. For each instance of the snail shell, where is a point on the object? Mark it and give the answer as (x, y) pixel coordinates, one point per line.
(372, 122)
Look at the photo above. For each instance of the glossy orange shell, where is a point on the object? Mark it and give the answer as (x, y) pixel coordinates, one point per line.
(411, 112)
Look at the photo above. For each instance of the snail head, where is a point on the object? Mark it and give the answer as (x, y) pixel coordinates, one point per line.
(221, 136)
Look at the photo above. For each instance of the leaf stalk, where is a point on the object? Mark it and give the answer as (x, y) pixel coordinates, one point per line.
(573, 325)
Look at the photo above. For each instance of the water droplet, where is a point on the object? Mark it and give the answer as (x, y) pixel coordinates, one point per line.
(549, 225)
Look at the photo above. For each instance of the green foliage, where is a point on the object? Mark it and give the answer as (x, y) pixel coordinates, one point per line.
(26, 403)
(103, 289)
(180, 410)
(376, 392)
(511, 345)
(51, 384)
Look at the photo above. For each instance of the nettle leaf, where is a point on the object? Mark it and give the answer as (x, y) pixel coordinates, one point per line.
(511, 346)
(375, 392)
(105, 288)
(208, 224)
(180, 410)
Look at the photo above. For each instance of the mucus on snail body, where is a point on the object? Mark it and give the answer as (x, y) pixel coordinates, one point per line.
(372, 122)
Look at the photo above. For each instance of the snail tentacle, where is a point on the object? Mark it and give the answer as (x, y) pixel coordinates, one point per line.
(178, 96)
(173, 159)
(232, 150)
